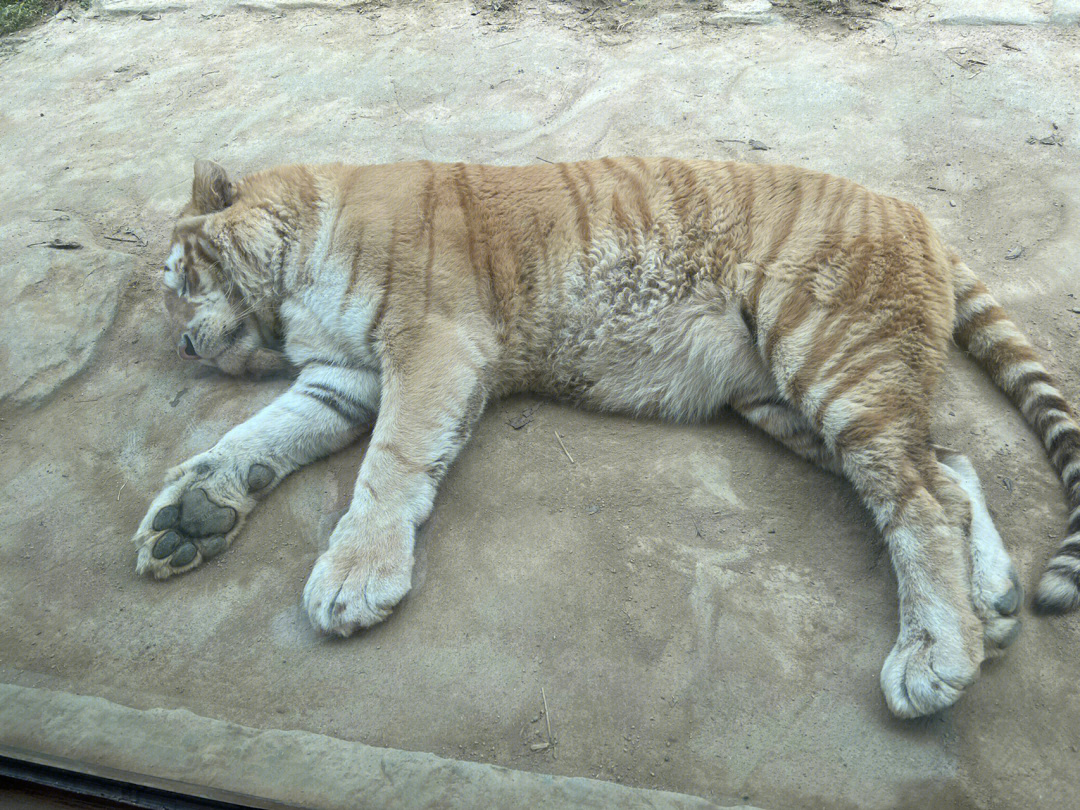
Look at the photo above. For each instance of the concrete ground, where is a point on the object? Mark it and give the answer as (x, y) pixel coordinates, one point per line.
(704, 613)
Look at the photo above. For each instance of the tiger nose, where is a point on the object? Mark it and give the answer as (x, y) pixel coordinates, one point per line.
(187, 348)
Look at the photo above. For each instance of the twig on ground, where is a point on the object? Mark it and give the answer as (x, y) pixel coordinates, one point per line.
(563, 446)
(390, 33)
(135, 241)
(58, 244)
(547, 718)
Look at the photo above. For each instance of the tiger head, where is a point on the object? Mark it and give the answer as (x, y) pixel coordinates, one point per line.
(224, 329)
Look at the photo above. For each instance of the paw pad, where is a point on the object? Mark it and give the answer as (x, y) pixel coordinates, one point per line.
(196, 526)
(1008, 604)
(183, 555)
(166, 544)
(211, 546)
(201, 517)
(166, 518)
(1010, 634)
(259, 477)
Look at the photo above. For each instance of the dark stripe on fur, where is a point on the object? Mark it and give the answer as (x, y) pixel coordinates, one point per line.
(580, 211)
(437, 470)
(380, 312)
(1070, 549)
(750, 321)
(1073, 480)
(1046, 402)
(1067, 439)
(343, 405)
(366, 414)
(971, 327)
(1066, 571)
(1030, 379)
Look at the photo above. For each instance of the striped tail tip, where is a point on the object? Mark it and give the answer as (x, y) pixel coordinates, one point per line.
(1059, 588)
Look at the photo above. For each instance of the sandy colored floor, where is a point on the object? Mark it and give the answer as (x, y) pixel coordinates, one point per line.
(705, 613)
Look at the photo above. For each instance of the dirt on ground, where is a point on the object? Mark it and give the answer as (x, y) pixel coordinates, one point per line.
(703, 612)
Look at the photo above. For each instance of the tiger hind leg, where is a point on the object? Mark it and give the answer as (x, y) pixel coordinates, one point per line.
(877, 424)
(940, 645)
(789, 427)
(995, 587)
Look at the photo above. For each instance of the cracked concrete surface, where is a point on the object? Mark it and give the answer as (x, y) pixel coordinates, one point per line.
(705, 613)
(59, 298)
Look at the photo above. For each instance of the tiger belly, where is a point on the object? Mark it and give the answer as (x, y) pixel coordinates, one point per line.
(646, 335)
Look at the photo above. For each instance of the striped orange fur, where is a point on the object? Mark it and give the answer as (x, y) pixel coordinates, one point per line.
(818, 310)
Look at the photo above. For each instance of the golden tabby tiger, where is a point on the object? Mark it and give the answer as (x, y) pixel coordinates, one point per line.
(409, 295)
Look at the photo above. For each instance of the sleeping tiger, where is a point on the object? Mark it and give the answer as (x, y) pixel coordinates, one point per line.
(408, 296)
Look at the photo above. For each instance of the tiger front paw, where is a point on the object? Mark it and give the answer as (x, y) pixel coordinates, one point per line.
(198, 514)
(358, 580)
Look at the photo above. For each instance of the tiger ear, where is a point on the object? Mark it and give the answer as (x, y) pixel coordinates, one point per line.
(212, 190)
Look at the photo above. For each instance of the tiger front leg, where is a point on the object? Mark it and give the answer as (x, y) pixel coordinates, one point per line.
(429, 403)
(206, 500)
